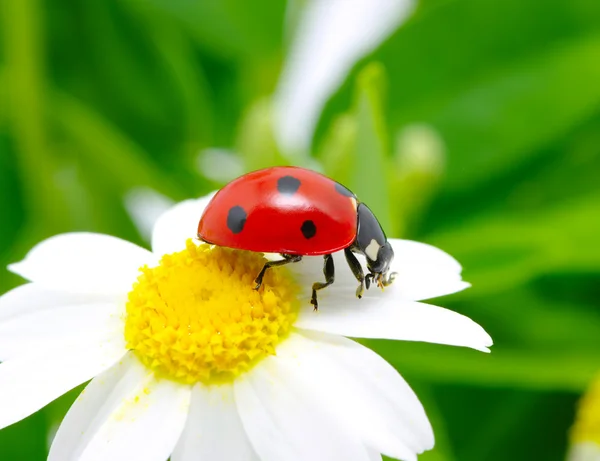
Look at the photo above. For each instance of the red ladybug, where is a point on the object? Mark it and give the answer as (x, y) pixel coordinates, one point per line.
(298, 212)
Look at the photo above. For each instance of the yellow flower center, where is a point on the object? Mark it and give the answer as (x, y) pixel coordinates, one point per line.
(196, 316)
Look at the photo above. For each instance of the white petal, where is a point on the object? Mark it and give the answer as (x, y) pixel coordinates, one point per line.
(32, 297)
(124, 414)
(360, 390)
(30, 382)
(284, 422)
(178, 224)
(82, 262)
(213, 430)
(584, 451)
(374, 455)
(145, 206)
(331, 36)
(310, 270)
(33, 318)
(393, 319)
(424, 271)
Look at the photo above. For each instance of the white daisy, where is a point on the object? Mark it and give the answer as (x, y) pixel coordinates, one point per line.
(190, 362)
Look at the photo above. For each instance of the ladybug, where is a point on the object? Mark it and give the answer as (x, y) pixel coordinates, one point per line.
(298, 212)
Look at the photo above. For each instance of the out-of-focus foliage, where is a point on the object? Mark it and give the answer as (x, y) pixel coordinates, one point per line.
(474, 127)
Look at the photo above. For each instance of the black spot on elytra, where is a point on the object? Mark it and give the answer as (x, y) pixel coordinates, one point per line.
(288, 185)
(344, 190)
(236, 218)
(308, 229)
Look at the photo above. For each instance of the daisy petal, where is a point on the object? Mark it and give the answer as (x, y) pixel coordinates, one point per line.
(374, 455)
(123, 414)
(361, 390)
(424, 271)
(82, 262)
(28, 333)
(32, 297)
(213, 430)
(319, 60)
(179, 223)
(584, 451)
(30, 382)
(392, 319)
(145, 206)
(283, 421)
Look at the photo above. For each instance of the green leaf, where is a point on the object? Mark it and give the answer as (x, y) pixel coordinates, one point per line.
(191, 83)
(101, 143)
(515, 368)
(25, 440)
(501, 252)
(256, 140)
(491, 125)
(442, 450)
(419, 163)
(3, 98)
(369, 163)
(496, 79)
(232, 28)
(24, 79)
(338, 146)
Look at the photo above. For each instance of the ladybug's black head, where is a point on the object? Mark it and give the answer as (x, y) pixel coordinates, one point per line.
(372, 242)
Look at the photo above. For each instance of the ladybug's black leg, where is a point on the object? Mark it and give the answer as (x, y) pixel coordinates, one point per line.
(329, 272)
(357, 271)
(287, 259)
(368, 279)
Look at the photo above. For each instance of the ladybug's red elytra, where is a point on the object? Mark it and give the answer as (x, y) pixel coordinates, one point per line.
(298, 212)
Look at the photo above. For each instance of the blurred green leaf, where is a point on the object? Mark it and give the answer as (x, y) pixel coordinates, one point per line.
(506, 115)
(415, 174)
(369, 162)
(25, 80)
(12, 211)
(25, 440)
(256, 140)
(338, 146)
(504, 367)
(486, 73)
(232, 28)
(103, 144)
(3, 98)
(449, 46)
(177, 55)
(501, 252)
(443, 445)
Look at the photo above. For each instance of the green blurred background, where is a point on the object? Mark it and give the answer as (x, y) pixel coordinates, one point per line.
(474, 127)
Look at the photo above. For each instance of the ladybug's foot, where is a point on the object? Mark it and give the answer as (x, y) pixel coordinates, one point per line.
(390, 278)
(329, 273)
(360, 291)
(287, 259)
(358, 273)
(259, 278)
(313, 301)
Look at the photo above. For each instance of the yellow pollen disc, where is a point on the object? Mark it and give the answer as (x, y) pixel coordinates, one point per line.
(196, 317)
